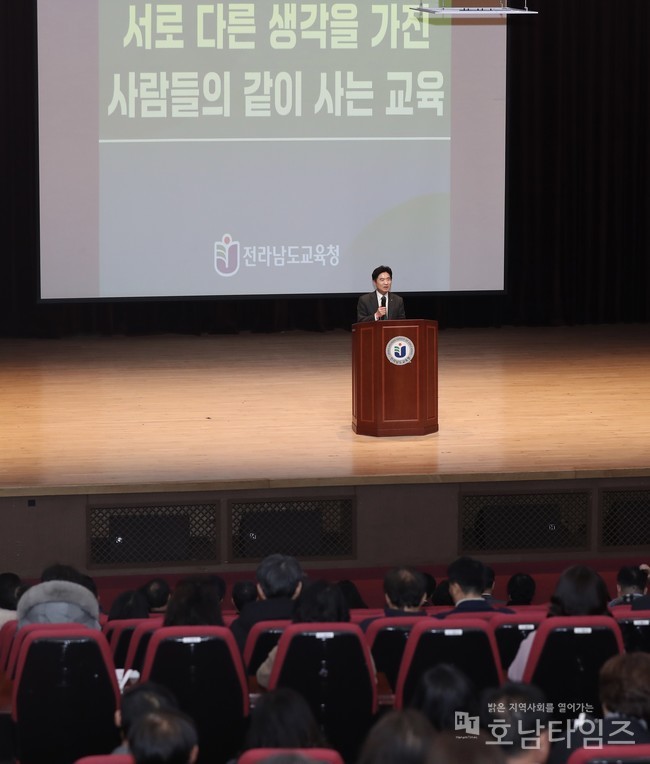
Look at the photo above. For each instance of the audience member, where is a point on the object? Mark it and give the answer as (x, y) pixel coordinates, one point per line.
(58, 601)
(352, 595)
(488, 586)
(521, 589)
(282, 718)
(164, 737)
(194, 602)
(624, 691)
(631, 584)
(220, 584)
(441, 596)
(466, 584)
(443, 691)
(130, 604)
(453, 748)
(243, 592)
(514, 716)
(404, 592)
(319, 602)
(137, 701)
(430, 587)
(157, 591)
(9, 586)
(579, 591)
(279, 582)
(399, 737)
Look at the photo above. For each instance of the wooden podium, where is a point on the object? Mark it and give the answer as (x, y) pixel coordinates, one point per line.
(395, 377)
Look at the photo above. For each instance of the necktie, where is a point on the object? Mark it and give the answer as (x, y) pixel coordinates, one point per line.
(383, 305)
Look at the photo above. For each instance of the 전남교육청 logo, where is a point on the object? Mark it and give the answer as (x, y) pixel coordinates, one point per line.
(400, 350)
(226, 256)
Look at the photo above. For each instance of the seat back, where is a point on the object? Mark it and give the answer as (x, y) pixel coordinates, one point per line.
(611, 754)
(566, 656)
(511, 629)
(7, 634)
(257, 755)
(118, 633)
(330, 665)
(262, 637)
(65, 695)
(386, 638)
(140, 641)
(203, 667)
(20, 636)
(467, 643)
(110, 758)
(635, 628)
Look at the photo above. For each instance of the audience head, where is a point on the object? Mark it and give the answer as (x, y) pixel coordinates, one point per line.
(405, 588)
(579, 591)
(509, 713)
(441, 595)
(220, 584)
(521, 589)
(441, 692)
(279, 575)
(157, 591)
(194, 602)
(624, 685)
(466, 578)
(631, 580)
(321, 601)
(163, 737)
(142, 699)
(60, 572)
(352, 595)
(282, 718)
(399, 737)
(453, 748)
(10, 583)
(131, 604)
(243, 592)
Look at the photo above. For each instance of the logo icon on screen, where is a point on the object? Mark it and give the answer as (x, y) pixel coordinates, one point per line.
(226, 256)
(400, 350)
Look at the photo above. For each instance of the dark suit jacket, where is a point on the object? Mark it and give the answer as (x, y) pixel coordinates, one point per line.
(367, 307)
(274, 609)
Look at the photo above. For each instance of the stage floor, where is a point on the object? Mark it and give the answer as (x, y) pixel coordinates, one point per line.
(183, 413)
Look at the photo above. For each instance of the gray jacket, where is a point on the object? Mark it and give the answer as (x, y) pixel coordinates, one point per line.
(58, 602)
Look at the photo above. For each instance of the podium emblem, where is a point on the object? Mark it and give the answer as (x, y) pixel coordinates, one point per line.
(400, 350)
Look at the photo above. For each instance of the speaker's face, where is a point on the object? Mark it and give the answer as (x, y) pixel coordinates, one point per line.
(383, 282)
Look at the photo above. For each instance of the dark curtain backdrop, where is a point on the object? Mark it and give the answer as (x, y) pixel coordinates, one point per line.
(577, 204)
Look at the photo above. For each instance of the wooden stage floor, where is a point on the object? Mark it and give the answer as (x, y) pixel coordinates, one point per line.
(184, 413)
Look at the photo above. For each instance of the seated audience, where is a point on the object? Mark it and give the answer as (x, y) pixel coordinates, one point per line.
(164, 737)
(131, 604)
(243, 592)
(282, 718)
(514, 716)
(443, 691)
(137, 701)
(279, 582)
(352, 595)
(58, 601)
(430, 587)
(466, 584)
(9, 586)
(399, 737)
(631, 584)
(441, 596)
(157, 591)
(404, 592)
(624, 691)
(489, 584)
(579, 591)
(195, 601)
(521, 589)
(319, 602)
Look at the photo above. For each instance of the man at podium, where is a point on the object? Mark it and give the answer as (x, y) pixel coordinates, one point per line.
(381, 304)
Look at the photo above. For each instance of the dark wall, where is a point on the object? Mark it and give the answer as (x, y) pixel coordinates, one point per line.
(578, 198)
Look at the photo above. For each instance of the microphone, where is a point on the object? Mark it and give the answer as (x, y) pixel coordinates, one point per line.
(383, 305)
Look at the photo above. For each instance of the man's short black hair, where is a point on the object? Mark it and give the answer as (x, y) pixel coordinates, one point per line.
(163, 737)
(382, 269)
(632, 577)
(142, 699)
(279, 575)
(468, 573)
(243, 592)
(157, 592)
(405, 587)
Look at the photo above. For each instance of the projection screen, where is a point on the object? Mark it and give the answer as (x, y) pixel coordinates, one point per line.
(258, 148)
